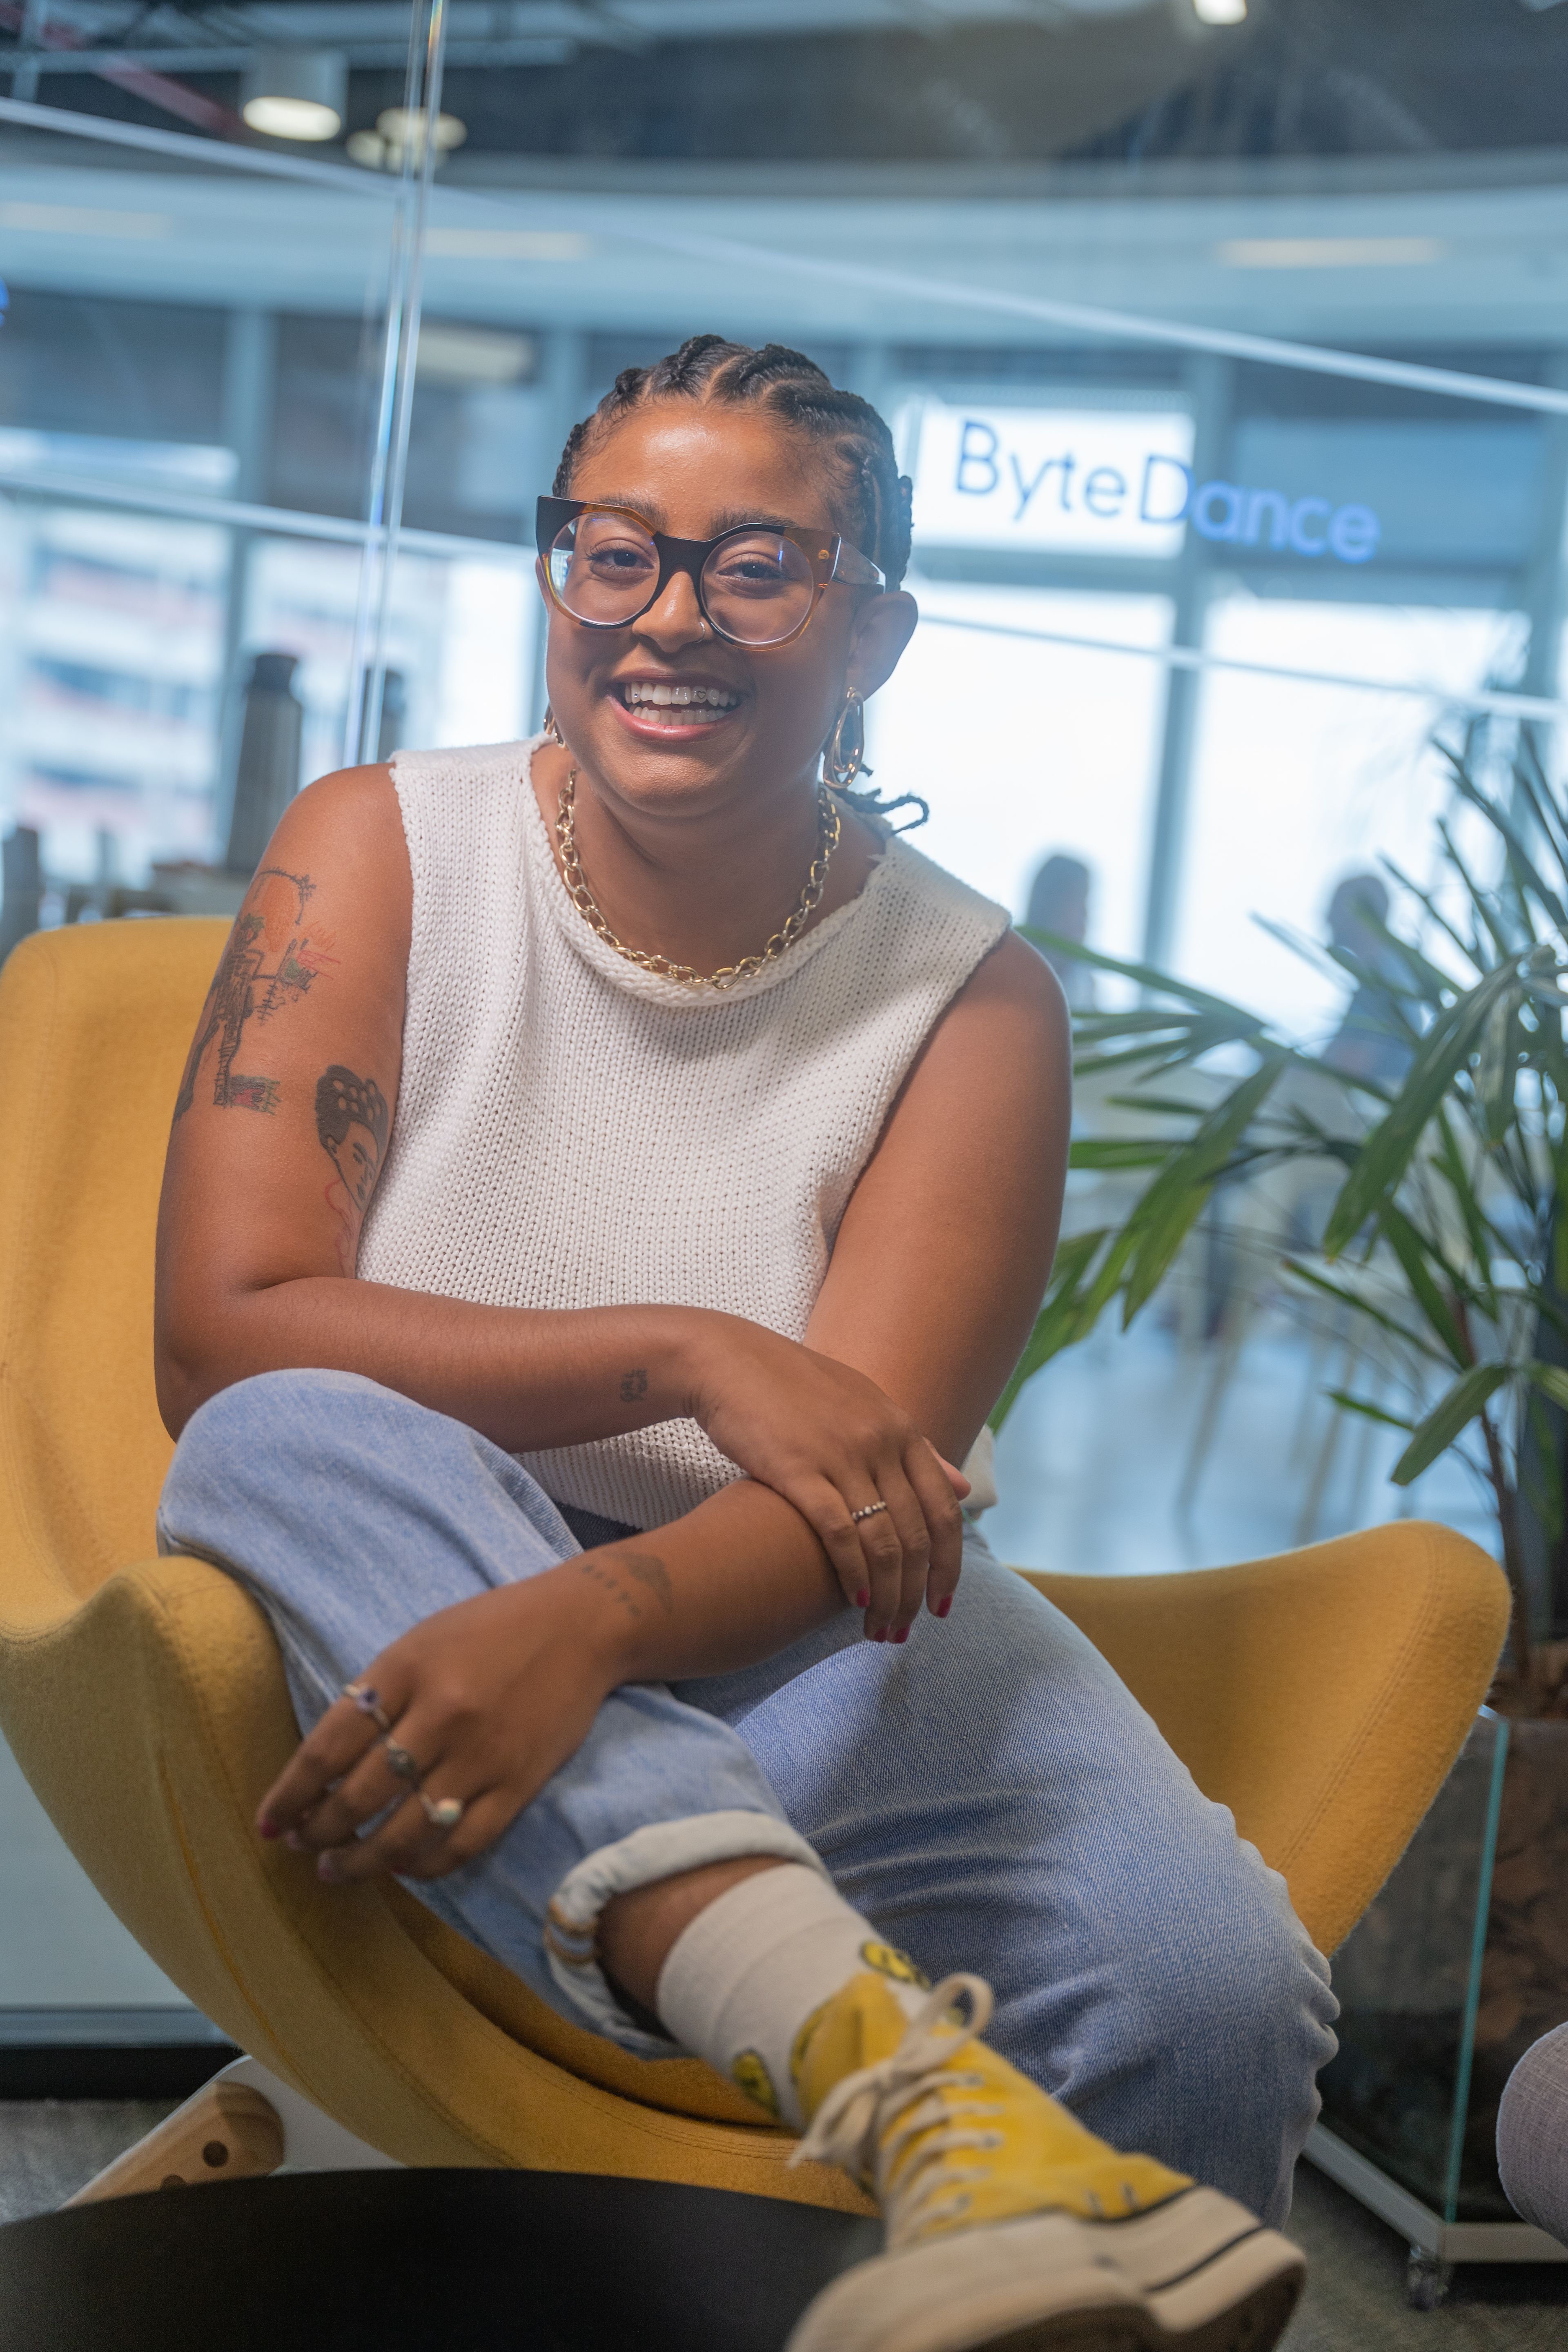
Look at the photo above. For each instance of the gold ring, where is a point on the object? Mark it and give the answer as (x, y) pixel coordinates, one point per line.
(870, 1511)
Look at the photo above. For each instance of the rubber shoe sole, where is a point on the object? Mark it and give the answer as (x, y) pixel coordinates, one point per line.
(1214, 2282)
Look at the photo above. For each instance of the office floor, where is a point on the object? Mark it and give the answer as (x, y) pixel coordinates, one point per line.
(1355, 2294)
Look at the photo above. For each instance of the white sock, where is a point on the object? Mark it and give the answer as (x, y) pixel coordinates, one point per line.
(738, 1984)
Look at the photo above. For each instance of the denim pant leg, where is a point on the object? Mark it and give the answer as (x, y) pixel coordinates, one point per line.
(350, 1512)
(991, 1797)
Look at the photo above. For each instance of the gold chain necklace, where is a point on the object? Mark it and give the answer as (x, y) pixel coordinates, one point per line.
(828, 827)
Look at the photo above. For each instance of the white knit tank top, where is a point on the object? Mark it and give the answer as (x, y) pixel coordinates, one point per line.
(575, 1132)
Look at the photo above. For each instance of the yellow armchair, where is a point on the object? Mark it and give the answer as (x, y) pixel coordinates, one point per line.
(1321, 1696)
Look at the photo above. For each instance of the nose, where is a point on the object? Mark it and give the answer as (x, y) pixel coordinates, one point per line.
(675, 618)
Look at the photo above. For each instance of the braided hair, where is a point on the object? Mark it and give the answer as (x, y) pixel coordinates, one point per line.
(868, 489)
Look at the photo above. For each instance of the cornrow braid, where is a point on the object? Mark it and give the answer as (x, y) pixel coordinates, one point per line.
(869, 492)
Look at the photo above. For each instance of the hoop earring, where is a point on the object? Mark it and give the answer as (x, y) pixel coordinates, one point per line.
(553, 730)
(845, 756)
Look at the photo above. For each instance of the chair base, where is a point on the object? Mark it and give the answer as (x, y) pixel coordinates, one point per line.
(242, 2125)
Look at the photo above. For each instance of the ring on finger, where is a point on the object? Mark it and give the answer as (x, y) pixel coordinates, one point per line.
(400, 1761)
(442, 1812)
(866, 1511)
(368, 1702)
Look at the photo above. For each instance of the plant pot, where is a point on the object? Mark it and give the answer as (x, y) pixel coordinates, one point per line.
(1458, 1966)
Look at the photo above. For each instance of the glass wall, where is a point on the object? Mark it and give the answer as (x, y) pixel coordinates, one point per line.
(1238, 426)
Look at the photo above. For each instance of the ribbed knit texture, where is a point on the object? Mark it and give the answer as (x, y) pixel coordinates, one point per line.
(574, 1132)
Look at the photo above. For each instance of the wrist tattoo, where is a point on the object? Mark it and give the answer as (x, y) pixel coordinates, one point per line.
(634, 1386)
(652, 1572)
(599, 1571)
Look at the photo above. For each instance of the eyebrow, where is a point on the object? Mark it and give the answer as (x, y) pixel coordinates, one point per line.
(735, 519)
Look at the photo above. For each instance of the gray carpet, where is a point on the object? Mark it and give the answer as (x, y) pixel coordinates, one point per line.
(1355, 2297)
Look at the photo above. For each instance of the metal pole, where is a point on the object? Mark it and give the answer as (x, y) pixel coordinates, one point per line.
(1208, 382)
(389, 456)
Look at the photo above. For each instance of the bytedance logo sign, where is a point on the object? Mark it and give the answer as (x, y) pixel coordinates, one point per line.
(1102, 481)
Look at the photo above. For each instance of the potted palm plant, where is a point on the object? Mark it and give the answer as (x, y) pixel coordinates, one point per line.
(1437, 1130)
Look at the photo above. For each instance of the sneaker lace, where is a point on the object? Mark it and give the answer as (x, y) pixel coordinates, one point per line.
(907, 2103)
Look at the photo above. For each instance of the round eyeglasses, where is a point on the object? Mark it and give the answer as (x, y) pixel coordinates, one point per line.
(756, 584)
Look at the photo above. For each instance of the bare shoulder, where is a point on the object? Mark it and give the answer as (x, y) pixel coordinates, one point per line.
(343, 837)
(1010, 1014)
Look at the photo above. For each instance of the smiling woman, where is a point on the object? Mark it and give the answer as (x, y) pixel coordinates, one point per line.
(699, 1148)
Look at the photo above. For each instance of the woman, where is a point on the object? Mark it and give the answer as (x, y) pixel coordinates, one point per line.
(657, 1165)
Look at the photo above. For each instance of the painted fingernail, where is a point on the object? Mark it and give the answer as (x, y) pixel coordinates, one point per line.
(944, 1604)
(902, 1634)
(879, 1634)
(327, 1871)
(863, 1597)
(267, 1829)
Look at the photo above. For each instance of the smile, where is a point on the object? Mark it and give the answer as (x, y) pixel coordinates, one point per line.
(658, 704)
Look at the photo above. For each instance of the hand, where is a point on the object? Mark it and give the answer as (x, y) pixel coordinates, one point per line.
(826, 1438)
(489, 1698)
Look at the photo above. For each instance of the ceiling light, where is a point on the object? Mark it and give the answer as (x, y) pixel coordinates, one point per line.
(1220, 12)
(401, 128)
(475, 355)
(1329, 252)
(295, 93)
(399, 133)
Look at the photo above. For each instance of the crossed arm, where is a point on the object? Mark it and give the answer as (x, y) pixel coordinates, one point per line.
(281, 1129)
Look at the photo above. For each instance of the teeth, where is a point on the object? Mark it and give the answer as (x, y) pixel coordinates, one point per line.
(681, 697)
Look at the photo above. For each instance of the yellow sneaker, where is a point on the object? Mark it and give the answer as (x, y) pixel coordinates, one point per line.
(1009, 2225)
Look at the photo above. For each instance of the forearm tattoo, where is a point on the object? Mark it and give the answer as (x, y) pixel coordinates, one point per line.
(634, 1386)
(273, 958)
(644, 1568)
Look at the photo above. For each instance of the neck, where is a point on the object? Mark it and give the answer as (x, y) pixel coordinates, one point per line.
(702, 886)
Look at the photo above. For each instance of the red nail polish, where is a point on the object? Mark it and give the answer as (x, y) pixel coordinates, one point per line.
(944, 1604)
(863, 1597)
(902, 1634)
(880, 1635)
(269, 1830)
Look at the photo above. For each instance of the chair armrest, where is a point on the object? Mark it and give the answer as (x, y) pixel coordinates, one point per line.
(1321, 1695)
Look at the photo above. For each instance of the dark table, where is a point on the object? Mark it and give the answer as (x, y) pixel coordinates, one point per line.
(451, 2260)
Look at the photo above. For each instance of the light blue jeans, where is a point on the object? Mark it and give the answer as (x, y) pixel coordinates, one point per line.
(987, 1794)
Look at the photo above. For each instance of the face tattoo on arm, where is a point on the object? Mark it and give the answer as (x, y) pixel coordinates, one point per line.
(352, 1123)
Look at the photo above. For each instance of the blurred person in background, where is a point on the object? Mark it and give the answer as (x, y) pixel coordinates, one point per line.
(1059, 902)
(1368, 1044)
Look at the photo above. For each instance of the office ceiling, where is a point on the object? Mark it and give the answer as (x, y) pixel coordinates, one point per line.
(830, 82)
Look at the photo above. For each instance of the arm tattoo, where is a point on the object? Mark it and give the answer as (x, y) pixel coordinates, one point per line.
(650, 1570)
(634, 1385)
(352, 1123)
(599, 1571)
(272, 959)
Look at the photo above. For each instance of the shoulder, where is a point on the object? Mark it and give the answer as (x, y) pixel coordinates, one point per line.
(343, 835)
(1014, 999)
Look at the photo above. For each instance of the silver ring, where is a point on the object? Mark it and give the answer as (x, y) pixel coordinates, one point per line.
(400, 1761)
(870, 1512)
(442, 1812)
(369, 1703)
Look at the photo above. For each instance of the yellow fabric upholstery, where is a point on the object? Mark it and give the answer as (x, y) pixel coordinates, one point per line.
(1323, 1694)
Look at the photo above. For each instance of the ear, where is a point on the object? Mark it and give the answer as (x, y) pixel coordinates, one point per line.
(884, 629)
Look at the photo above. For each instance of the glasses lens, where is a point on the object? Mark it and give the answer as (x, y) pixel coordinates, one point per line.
(758, 587)
(603, 568)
